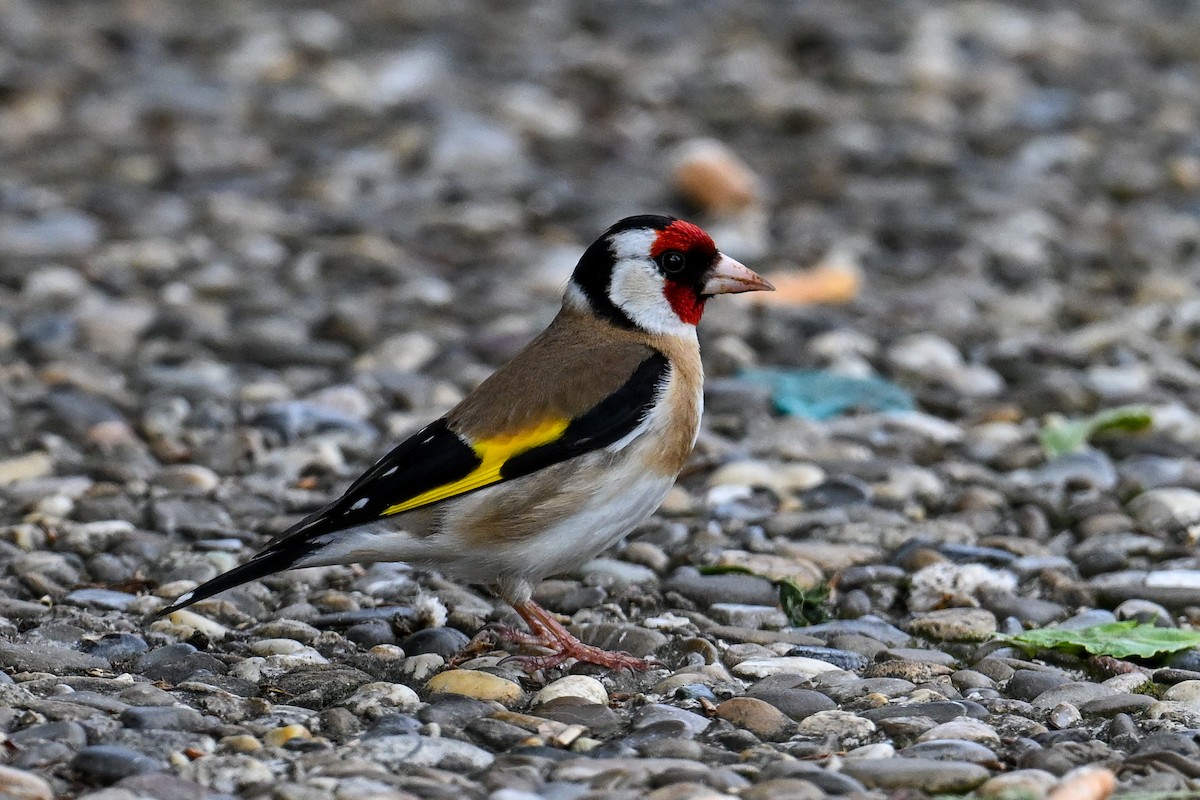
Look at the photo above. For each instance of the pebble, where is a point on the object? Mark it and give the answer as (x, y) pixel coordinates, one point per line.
(1032, 783)
(848, 728)
(1075, 693)
(173, 718)
(966, 728)
(373, 700)
(38, 657)
(476, 684)
(1027, 684)
(713, 177)
(760, 718)
(409, 751)
(935, 777)
(754, 668)
(707, 590)
(950, 750)
(105, 764)
(579, 688)
(954, 625)
(21, 785)
(660, 715)
(444, 642)
(278, 737)
(1165, 509)
(797, 703)
(212, 325)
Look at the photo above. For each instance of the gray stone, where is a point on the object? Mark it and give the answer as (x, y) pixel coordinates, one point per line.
(174, 718)
(406, 751)
(933, 776)
(38, 657)
(707, 590)
(105, 764)
(1075, 693)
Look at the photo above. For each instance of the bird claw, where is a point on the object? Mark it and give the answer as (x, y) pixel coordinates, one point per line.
(586, 654)
(547, 633)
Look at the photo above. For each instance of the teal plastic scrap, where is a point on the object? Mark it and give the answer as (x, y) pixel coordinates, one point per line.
(819, 394)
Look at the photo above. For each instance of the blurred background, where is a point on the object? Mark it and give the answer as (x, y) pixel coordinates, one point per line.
(247, 245)
(214, 208)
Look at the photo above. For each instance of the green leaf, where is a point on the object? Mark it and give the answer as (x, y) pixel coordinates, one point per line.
(802, 606)
(1060, 436)
(1116, 639)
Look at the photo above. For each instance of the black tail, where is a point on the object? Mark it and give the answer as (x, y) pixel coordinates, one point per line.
(265, 563)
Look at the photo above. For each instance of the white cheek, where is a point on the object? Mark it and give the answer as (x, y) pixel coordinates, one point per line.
(633, 244)
(637, 289)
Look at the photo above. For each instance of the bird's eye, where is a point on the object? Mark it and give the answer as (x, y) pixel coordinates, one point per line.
(672, 262)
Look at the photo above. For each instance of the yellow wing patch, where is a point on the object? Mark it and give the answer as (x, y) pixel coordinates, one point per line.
(493, 453)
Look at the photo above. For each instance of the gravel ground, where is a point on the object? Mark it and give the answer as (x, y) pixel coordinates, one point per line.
(244, 246)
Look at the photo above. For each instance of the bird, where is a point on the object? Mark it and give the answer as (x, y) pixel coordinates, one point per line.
(552, 458)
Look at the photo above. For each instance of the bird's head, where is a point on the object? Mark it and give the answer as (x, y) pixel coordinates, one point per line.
(655, 273)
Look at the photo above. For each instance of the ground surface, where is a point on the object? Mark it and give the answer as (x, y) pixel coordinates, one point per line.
(244, 246)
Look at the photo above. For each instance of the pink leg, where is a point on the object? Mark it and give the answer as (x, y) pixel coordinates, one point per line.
(551, 634)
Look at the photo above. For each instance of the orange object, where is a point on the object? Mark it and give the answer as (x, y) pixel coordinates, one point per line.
(831, 284)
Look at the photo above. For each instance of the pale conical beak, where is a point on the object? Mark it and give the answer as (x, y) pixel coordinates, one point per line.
(730, 277)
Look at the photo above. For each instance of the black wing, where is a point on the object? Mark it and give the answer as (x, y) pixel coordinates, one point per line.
(440, 464)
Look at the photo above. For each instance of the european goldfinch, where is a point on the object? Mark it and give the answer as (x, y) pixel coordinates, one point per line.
(555, 456)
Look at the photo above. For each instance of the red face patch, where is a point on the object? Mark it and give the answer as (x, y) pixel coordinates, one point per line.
(686, 304)
(682, 236)
(690, 240)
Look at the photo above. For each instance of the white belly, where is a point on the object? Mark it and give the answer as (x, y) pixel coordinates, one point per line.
(617, 507)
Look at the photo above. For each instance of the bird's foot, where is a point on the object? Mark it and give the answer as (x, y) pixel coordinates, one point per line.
(586, 653)
(550, 634)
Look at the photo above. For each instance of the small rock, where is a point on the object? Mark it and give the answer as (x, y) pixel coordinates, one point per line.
(933, 586)
(473, 683)
(712, 177)
(16, 784)
(658, 715)
(26, 467)
(105, 764)
(1085, 783)
(278, 737)
(955, 625)
(707, 590)
(373, 700)
(847, 727)
(934, 777)
(1184, 692)
(797, 703)
(760, 718)
(1026, 684)
(581, 688)
(170, 718)
(402, 753)
(100, 598)
(1064, 715)
(1074, 693)
(1166, 510)
(1033, 784)
(966, 728)
(747, 616)
(951, 750)
(445, 642)
(39, 657)
(755, 668)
